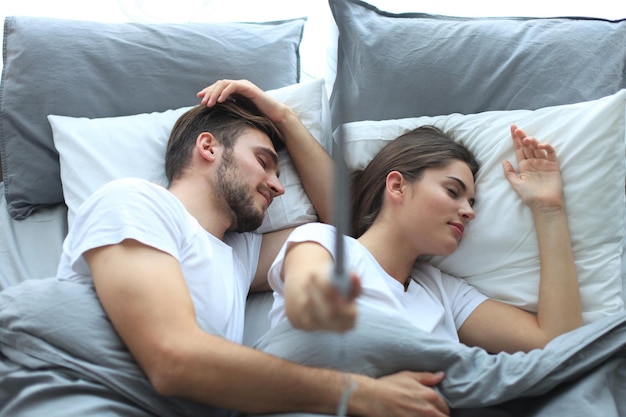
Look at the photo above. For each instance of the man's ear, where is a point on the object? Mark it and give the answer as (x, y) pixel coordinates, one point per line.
(394, 185)
(206, 145)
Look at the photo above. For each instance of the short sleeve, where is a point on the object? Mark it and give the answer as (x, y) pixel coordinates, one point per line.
(127, 209)
(463, 297)
(310, 232)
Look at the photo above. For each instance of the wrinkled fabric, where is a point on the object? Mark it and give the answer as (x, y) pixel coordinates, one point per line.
(580, 373)
(60, 356)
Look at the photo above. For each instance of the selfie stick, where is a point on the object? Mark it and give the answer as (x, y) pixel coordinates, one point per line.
(341, 214)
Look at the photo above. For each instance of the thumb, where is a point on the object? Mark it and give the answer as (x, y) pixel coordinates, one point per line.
(355, 286)
(509, 171)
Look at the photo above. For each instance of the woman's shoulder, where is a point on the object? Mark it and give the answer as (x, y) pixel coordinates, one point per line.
(311, 226)
(431, 275)
(425, 270)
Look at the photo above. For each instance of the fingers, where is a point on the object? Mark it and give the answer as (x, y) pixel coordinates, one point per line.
(529, 147)
(416, 393)
(220, 90)
(215, 93)
(355, 286)
(509, 173)
(429, 379)
(326, 308)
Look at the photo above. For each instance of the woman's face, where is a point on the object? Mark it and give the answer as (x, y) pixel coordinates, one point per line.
(438, 207)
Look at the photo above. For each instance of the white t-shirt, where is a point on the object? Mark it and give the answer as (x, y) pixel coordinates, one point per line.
(434, 301)
(218, 273)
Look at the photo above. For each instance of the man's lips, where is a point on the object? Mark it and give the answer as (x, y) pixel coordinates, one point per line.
(458, 228)
(267, 196)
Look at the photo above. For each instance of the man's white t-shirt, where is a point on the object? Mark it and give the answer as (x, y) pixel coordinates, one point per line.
(218, 273)
(434, 301)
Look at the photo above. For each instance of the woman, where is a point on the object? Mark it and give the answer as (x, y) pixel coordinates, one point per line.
(415, 198)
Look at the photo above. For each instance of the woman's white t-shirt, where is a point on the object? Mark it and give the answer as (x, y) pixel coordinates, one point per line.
(434, 301)
(218, 273)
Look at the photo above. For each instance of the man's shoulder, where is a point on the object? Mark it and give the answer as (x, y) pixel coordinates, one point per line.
(124, 196)
(131, 184)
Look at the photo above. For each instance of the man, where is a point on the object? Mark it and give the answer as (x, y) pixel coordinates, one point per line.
(171, 269)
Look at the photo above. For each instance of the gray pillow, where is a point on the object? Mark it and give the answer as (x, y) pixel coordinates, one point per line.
(415, 64)
(90, 69)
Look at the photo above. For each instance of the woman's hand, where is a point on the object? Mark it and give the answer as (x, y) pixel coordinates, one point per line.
(312, 302)
(221, 90)
(538, 182)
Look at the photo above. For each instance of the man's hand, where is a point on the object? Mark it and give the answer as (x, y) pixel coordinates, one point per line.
(405, 394)
(221, 90)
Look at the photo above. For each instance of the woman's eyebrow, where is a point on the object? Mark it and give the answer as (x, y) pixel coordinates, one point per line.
(461, 183)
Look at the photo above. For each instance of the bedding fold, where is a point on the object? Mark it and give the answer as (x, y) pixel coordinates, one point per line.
(543, 382)
(60, 354)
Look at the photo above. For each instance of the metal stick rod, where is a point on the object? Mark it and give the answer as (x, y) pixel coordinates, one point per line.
(341, 213)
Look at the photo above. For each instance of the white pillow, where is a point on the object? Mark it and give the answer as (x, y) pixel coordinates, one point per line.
(95, 151)
(499, 252)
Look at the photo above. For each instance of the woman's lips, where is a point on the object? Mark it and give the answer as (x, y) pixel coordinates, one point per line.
(458, 228)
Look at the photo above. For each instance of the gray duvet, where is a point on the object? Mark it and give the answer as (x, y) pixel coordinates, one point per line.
(582, 373)
(59, 356)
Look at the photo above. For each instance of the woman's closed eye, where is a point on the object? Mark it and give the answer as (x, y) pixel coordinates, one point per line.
(456, 194)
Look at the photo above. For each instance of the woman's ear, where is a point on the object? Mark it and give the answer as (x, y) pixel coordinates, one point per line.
(394, 185)
(206, 145)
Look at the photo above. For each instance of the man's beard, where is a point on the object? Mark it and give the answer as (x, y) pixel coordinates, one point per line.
(235, 192)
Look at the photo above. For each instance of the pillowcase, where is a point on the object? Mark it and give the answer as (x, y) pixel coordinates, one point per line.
(416, 64)
(498, 253)
(92, 69)
(95, 151)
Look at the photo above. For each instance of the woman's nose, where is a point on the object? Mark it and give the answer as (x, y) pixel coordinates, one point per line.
(467, 211)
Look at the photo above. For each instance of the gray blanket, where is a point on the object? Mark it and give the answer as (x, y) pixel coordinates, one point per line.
(59, 356)
(582, 373)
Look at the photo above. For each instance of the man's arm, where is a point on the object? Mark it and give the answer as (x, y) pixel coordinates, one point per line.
(313, 163)
(145, 295)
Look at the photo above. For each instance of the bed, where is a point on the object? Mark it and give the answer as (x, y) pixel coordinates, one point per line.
(83, 102)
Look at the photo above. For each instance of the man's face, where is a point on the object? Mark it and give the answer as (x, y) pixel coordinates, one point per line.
(248, 179)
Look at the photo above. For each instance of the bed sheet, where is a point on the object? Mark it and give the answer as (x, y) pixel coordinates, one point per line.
(30, 248)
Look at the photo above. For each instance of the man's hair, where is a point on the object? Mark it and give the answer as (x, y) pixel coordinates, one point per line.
(410, 154)
(225, 121)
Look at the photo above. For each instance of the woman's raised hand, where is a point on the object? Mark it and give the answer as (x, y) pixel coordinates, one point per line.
(538, 180)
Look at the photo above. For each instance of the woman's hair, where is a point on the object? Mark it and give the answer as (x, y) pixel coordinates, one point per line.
(410, 154)
(225, 121)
